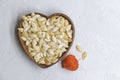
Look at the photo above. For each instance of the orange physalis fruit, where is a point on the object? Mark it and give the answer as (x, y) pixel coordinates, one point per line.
(70, 63)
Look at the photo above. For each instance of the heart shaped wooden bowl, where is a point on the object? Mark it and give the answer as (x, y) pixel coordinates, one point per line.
(47, 17)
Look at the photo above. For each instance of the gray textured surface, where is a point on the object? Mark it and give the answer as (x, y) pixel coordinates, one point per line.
(97, 24)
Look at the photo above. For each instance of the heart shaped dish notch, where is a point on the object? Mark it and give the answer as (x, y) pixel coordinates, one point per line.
(46, 39)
